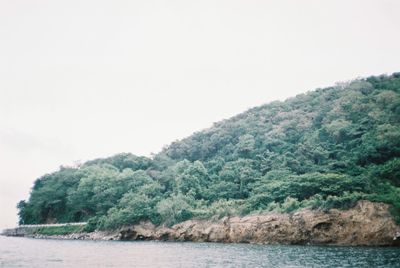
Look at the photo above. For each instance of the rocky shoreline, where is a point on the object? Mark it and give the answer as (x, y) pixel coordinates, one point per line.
(367, 224)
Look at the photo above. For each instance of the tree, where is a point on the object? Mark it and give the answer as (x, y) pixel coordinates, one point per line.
(245, 145)
(191, 178)
(326, 148)
(174, 209)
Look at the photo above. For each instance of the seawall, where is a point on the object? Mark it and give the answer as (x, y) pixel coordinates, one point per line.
(32, 229)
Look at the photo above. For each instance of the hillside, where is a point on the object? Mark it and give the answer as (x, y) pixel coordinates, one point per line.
(324, 149)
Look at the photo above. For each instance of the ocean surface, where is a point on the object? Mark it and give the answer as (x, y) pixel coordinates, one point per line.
(26, 252)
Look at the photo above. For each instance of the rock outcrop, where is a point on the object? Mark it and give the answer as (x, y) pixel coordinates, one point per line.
(367, 224)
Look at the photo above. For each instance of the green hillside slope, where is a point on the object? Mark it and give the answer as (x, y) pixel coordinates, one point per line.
(323, 149)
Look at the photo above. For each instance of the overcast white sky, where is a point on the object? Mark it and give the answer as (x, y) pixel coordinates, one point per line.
(87, 79)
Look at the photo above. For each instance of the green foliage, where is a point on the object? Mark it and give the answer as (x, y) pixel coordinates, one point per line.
(132, 208)
(301, 187)
(387, 193)
(325, 149)
(246, 144)
(48, 201)
(389, 171)
(123, 161)
(60, 230)
(224, 208)
(190, 178)
(92, 224)
(175, 209)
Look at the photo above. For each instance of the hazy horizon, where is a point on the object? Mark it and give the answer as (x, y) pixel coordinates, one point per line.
(89, 79)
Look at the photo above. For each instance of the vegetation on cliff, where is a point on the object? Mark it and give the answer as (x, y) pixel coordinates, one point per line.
(324, 149)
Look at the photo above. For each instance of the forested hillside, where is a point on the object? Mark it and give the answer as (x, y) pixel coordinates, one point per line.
(323, 149)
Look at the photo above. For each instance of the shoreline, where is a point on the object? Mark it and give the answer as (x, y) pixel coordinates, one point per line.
(86, 237)
(367, 224)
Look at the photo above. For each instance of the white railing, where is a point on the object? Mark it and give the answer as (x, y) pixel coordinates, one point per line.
(53, 224)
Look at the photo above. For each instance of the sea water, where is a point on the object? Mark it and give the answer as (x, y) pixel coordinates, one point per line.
(26, 252)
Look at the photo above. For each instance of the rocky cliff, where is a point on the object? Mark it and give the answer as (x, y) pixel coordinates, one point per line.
(367, 224)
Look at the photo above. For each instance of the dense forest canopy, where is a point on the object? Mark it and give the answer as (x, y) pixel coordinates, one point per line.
(324, 149)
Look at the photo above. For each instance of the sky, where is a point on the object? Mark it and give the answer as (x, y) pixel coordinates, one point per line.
(91, 78)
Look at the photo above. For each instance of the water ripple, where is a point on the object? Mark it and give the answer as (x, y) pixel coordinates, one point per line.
(25, 252)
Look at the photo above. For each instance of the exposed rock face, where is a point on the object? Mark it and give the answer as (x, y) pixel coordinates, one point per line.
(366, 224)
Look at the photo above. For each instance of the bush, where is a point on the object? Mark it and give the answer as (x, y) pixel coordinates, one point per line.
(91, 225)
(175, 209)
(290, 204)
(387, 193)
(222, 208)
(60, 230)
(131, 209)
(345, 201)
